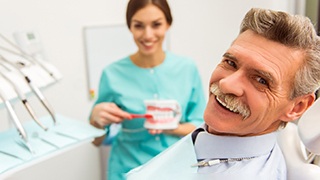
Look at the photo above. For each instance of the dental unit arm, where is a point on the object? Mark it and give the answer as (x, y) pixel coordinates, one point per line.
(26, 56)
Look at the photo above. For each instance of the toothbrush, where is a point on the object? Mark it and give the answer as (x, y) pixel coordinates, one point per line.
(147, 116)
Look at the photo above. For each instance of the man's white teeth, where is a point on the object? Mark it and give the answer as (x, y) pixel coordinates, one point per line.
(233, 109)
(213, 89)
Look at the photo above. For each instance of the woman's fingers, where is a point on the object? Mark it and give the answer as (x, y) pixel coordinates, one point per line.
(107, 113)
(155, 131)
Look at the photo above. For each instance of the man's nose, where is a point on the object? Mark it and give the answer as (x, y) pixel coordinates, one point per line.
(233, 84)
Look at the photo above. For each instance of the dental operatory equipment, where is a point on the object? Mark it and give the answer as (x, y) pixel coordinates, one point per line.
(22, 97)
(26, 56)
(18, 65)
(16, 121)
(300, 143)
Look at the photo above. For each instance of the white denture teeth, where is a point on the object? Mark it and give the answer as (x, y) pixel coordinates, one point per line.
(162, 115)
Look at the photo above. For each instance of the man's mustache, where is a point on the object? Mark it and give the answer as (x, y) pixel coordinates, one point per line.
(231, 102)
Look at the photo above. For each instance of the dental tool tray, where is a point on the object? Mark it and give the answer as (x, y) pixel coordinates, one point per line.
(66, 133)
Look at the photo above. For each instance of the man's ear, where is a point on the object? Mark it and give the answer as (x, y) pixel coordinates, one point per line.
(298, 107)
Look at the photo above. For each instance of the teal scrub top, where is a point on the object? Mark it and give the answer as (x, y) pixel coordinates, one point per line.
(128, 85)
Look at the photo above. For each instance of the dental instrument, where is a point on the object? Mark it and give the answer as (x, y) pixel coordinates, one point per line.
(33, 87)
(16, 121)
(22, 97)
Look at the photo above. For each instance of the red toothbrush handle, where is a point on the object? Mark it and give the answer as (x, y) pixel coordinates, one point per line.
(147, 116)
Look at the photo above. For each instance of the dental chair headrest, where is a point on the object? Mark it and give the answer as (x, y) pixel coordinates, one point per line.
(309, 128)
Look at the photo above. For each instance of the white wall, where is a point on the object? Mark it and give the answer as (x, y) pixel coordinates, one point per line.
(202, 29)
(60, 24)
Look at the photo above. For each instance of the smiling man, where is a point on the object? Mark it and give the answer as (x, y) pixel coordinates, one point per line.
(267, 78)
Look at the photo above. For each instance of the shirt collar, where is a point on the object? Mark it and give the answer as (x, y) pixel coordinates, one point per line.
(212, 146)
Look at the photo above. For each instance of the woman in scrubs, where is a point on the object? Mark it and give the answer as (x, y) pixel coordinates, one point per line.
(149, 74)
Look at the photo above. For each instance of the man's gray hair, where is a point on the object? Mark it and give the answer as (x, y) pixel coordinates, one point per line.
(294, 31)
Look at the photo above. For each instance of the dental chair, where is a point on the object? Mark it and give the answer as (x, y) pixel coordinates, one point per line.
(300, 144)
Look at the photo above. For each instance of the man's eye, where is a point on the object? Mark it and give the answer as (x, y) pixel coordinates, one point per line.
(262, 81)
(231, 63)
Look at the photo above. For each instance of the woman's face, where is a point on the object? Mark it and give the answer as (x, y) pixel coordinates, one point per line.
(148, 27)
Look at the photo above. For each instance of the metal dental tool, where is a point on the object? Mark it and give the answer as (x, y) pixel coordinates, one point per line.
(22, 97)
(26, 56)
(18, 66)
(16, 121)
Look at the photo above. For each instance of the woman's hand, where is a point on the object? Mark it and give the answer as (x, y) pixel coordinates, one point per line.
(106, 113)
(181, 130)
